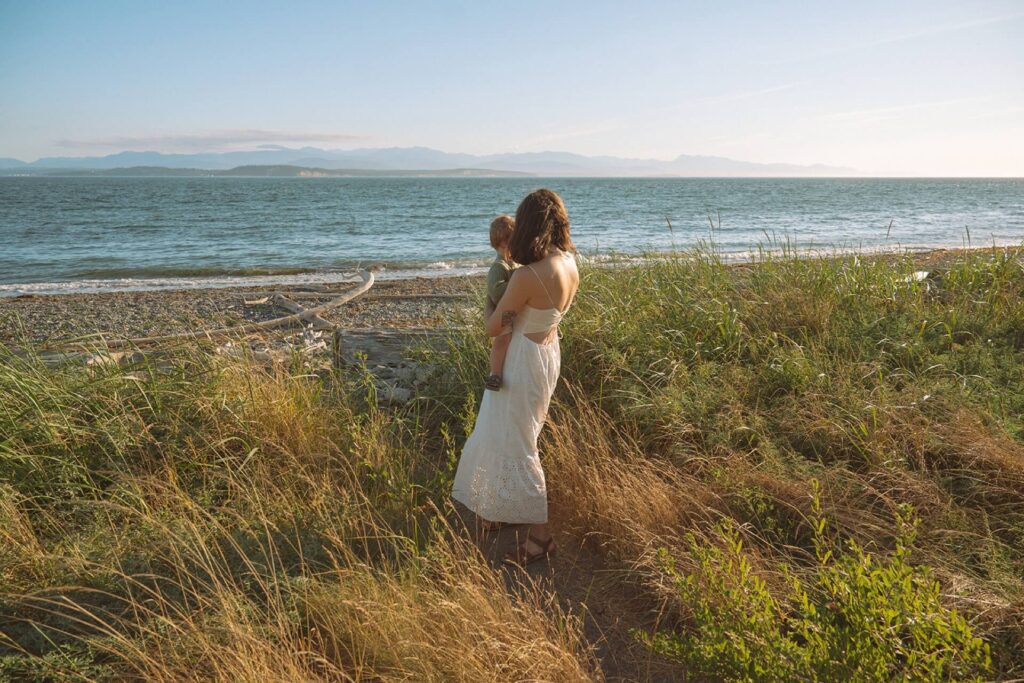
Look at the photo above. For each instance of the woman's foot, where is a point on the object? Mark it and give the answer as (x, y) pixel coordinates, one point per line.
(493, 382)
(531, 550)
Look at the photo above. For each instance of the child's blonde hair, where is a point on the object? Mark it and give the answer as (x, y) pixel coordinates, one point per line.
(501, 230)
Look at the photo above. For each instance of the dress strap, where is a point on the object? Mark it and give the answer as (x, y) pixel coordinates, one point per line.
(541, 281)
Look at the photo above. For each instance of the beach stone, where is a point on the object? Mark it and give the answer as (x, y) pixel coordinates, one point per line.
(423, 373)
(392, 393)
(405, 374)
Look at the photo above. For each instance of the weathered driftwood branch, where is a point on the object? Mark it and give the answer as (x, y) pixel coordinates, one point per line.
(256, 298)
(252, 298)
(423, 296)
(306, 314)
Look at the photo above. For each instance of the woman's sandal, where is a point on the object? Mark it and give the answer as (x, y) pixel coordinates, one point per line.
(522, 557)
(493, 382)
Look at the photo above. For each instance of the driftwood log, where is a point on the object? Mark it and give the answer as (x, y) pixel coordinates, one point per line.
(301, 315)
(266, 297)
(430, 297)
(381, 345)
(306, 316)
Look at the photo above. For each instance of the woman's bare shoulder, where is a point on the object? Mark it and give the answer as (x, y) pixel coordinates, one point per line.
(566, 265)
(524, 280)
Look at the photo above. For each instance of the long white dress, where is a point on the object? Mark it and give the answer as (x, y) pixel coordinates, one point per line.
(499, 476)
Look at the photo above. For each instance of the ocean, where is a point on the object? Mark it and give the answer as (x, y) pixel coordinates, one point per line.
(82, 234)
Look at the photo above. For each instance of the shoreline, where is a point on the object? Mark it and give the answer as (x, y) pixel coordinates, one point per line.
(465, 267)
(398, 302)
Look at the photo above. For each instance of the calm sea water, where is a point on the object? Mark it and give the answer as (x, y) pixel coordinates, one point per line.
(85, 234)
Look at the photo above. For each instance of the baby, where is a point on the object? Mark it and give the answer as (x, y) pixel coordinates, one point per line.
(497, 281)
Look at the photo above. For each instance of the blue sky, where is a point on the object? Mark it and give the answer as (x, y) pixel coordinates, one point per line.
(927, 88)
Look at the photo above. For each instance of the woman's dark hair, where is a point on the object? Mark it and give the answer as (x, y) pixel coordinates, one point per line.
(541, 223)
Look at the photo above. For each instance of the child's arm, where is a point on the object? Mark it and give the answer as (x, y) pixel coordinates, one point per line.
(509, 306)
(497, 280)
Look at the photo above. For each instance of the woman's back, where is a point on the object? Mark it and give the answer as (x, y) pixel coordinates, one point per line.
(551, 286)
(554, 282)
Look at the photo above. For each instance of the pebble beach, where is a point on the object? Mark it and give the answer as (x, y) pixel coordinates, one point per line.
(53, 319)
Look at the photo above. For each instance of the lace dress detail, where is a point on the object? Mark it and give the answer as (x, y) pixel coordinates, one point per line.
(499, 476)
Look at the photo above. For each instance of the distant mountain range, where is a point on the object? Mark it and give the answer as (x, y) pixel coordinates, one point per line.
(419, 160)
(275, 171)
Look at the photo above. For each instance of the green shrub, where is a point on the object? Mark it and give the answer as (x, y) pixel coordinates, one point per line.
(71, 663)
(863, 618)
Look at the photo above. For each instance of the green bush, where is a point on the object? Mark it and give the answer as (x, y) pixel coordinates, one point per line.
(862, 618)
(70, 663)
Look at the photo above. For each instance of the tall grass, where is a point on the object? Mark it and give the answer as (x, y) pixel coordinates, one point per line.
(206, 518)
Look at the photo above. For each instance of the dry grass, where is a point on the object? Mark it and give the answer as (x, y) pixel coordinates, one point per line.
(281, 537)
(208, 519)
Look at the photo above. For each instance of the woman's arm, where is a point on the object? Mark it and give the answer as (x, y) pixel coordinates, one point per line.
(509, 306)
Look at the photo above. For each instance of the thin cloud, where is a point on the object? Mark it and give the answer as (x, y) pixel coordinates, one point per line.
(216, 140)
(747, 94)
(996, 113)
(935, 29)
(877, 114)
(949, 28)
(734, 96)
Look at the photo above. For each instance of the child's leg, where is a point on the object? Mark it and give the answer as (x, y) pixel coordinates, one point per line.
(498, 351)
(499, 348)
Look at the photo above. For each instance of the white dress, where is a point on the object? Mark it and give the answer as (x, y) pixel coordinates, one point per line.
(499, 475)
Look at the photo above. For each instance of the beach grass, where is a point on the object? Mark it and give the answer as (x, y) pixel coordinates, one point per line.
(793, 468)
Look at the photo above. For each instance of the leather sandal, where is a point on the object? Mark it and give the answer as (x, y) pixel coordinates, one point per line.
(493, 382)
(522, 557)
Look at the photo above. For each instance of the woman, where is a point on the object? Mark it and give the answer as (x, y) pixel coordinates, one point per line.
(499, 475)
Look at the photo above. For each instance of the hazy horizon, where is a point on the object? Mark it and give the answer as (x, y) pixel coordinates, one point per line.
(918, 89)
(398, 159)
